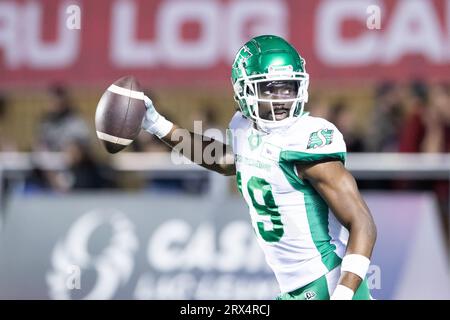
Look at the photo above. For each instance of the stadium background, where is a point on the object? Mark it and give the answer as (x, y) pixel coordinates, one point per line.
(79, 223)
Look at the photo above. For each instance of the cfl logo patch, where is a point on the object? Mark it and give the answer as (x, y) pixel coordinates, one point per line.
(310, 295)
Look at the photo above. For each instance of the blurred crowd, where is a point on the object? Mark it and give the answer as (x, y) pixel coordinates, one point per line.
(412, 117)
(405, 118)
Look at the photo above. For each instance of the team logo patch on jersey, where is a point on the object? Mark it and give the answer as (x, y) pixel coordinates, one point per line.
(320, 138)
(254, 140)
(310, 295)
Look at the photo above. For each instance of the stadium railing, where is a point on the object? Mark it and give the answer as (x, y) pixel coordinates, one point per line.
(369, 166)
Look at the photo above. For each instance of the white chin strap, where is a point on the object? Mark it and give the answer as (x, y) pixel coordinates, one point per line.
(272, 126)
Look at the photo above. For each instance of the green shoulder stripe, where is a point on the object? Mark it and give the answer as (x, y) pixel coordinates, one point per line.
(297, 156)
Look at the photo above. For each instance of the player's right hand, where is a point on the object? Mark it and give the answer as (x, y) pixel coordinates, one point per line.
(153, 122)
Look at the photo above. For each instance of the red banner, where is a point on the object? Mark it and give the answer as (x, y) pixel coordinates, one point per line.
(91, 42)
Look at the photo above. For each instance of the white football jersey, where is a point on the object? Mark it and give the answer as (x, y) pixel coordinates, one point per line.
(300, 238)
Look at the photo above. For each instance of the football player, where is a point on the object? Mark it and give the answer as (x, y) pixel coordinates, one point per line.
(289, 168)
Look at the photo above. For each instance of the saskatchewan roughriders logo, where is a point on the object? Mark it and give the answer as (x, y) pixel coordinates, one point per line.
(320, 138)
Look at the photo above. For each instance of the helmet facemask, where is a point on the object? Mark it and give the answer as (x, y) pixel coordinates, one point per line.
(274, 99)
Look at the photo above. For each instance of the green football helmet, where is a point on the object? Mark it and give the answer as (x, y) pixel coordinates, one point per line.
(267, 69)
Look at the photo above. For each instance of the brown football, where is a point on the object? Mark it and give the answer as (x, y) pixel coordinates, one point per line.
(119, 114)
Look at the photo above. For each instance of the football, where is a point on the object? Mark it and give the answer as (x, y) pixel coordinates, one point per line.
(119, 114)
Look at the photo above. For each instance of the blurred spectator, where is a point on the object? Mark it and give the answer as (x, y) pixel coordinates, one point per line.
(427, 129)
(82, 170)
(318, 108)
(63, 130)
(344, 119)
(6, 144)
(6, 141)
(387, 116)
(436, 121)
(60, 124)
(416, 126)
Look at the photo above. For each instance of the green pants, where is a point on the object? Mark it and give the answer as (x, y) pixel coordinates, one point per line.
(322, 288)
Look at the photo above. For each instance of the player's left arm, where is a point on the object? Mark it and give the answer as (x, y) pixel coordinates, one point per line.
(338, 188)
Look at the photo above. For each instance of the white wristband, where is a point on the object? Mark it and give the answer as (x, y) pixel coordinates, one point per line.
(342, 293)
(355, 263)
(162, 127)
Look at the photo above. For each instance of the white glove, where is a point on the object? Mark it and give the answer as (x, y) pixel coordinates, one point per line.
(153, 122)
